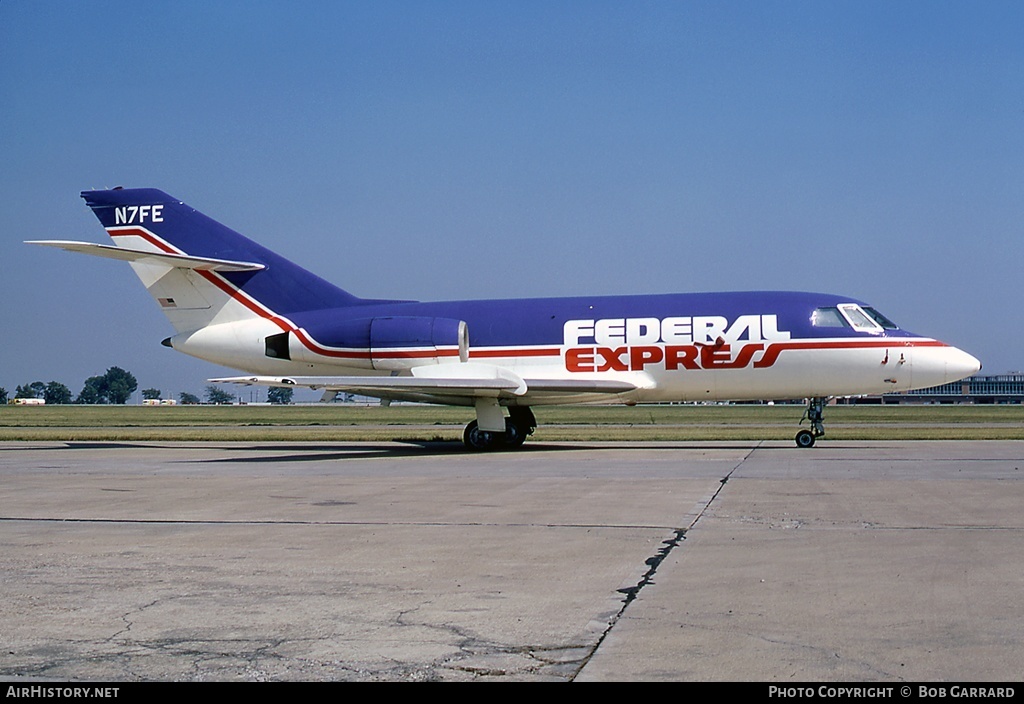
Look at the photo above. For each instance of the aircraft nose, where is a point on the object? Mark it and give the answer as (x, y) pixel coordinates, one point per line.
(960, 365)
(942, 364)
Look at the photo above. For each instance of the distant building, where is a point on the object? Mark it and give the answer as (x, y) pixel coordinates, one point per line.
(998, 388)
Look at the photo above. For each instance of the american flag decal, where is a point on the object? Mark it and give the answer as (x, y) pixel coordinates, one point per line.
(167, 303)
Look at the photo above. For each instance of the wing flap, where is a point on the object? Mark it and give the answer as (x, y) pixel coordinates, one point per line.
(178, 261)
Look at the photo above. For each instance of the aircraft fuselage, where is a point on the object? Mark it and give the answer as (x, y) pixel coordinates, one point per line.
(236, 303)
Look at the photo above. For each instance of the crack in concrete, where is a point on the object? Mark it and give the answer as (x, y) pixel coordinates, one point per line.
(653, 562)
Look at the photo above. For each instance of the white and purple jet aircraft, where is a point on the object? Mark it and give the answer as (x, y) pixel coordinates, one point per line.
(236, 303)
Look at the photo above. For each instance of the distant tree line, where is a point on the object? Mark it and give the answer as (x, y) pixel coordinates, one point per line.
(54, 392)
(116, 386)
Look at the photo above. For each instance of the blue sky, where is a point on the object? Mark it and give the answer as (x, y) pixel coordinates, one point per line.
(445, 150)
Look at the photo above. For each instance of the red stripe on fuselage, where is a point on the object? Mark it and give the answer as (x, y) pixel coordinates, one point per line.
(493, 352)
(769, 358)
(776, 348)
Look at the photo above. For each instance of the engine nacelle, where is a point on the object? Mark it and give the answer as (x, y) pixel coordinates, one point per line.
(404, 342)
(386, 343)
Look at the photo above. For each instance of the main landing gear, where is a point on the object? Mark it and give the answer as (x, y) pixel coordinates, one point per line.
(814, 415)
(518, 425)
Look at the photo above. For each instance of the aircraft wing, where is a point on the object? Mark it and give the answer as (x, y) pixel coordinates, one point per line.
(383, 387)
(181, 261)
(444, 383)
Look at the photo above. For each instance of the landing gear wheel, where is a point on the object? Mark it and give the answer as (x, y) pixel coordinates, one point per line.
(805, 438)
(815, 415)
(480, 440)
(515, 435)
(519, 425)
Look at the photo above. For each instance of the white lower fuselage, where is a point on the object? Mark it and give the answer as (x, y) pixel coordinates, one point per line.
(787, 369)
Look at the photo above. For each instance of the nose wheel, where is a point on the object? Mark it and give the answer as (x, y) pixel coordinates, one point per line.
(805, 438)
(814, 415)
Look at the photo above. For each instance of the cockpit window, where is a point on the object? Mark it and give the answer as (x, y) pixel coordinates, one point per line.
(828, 318)
(858, 318)
(881, 319)
(851, 315)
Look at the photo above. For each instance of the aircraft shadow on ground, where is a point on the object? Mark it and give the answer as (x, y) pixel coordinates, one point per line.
(311, 452)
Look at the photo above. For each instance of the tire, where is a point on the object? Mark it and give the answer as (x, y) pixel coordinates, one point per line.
(515, 435)
(476, 439)
(805, 438)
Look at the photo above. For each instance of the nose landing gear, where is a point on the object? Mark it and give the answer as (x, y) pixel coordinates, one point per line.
(814, 415)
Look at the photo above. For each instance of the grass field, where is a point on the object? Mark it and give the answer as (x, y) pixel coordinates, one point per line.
(351, 423)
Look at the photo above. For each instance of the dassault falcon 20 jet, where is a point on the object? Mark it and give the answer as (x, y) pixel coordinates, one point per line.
(236, 303)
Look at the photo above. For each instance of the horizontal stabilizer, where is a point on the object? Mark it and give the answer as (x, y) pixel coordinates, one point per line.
(178, 261)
